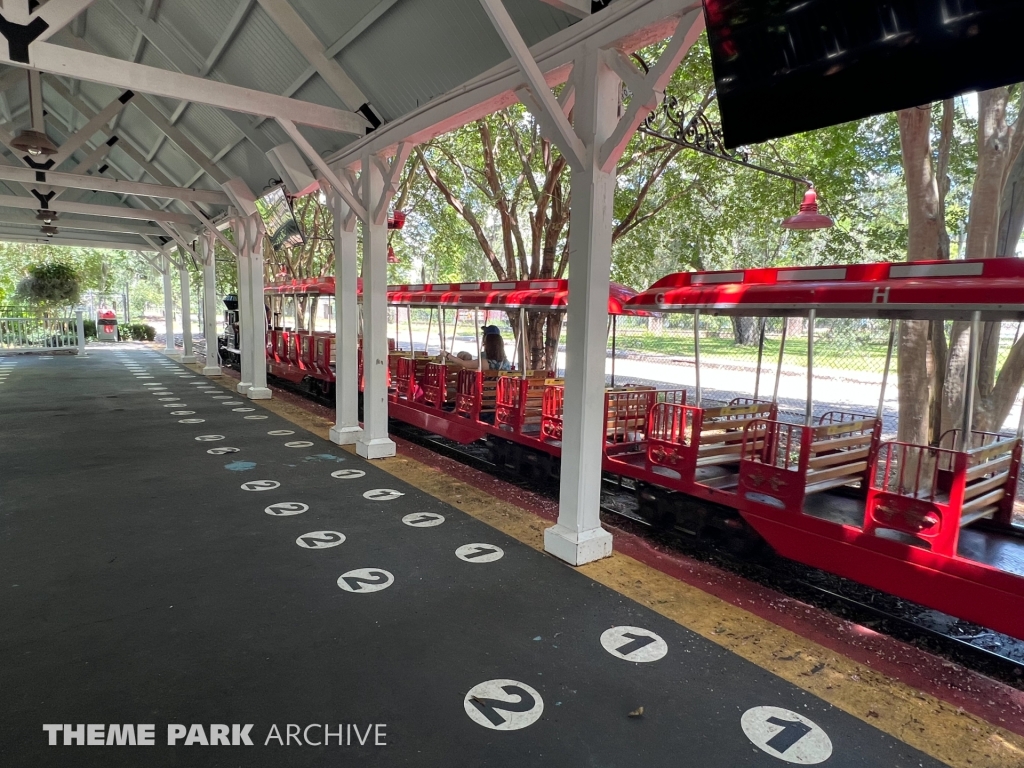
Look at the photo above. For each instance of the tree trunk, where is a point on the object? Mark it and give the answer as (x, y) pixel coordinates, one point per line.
(922, 243)
(744, 330)
(993, 151)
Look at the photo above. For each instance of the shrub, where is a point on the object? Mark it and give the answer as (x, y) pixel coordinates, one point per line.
(53, 284)
(90, 328)
(137, 332)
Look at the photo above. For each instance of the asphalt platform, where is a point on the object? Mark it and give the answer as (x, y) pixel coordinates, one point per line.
(185, 562)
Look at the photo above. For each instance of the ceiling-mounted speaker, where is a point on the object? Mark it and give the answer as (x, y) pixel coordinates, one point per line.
(292, 169)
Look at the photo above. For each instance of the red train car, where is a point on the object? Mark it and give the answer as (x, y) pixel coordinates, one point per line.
(933, 524)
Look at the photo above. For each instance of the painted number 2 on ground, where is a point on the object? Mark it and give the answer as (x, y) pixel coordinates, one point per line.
(503, 705)
(363, 580)
(320, 539)
(786, 735)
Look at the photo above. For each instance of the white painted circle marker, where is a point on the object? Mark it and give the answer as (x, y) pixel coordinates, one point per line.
(260, 485)
(320, 539)
(280, 432)
(191, 421)
(364, 580)
(168, 398)
(479, 553)
(254, 417)
(222, 397)
(633, 644)
(243, 410)
(382, 494)
(423, 519)
(182, 413)
(503, 705)
(282, 508)
(152, 384)
(232, 402)
(175, 405)
(787, 735)
(298, 444)
(209, 438)
(221, 450)
(348, 474)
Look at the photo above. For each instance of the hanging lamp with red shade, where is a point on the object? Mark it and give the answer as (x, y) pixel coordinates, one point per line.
(808, 217)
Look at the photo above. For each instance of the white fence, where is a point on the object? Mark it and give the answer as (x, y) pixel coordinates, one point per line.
(42, 333)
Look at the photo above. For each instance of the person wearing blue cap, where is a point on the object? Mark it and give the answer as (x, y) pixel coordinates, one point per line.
(493, 352)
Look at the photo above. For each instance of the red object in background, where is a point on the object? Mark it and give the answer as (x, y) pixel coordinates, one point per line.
(396, 220)
(392, 258)
(808, 217)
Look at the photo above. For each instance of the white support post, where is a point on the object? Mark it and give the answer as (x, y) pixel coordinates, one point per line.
(168, 306)
(258, 332)
(244, 308)
(187, 356)
(346, 429)
(80, 328)
(374, 442)
(578, 537)
(212, 367)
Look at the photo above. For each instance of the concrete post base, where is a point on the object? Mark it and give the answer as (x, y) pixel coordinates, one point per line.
(212, 370)
(259, 393)
(188, 358)
(345, 435)
(243, 387)
(379, 448)
(577, 548)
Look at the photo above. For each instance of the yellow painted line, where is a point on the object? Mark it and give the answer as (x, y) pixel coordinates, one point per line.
(934, 727)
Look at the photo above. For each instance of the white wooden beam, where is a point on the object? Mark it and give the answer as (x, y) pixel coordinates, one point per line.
(392, 177)
(90, 224)
(309, 45)
(625, 26)
(227, 36)
(359, 27)
(113, 211)
(544, 106)
(212, 228)
(59, 13)
(103, 184)
(87, 131)
(92, 67)
(648, 92)
(61, 239)
(150, 110)
(314, 157)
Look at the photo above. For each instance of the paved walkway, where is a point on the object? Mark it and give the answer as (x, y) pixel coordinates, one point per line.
(182, 561)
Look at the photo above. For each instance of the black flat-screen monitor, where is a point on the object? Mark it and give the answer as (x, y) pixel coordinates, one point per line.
(786, 66)
(276, 211)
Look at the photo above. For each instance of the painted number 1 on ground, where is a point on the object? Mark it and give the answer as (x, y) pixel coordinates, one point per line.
(787, 735)
(633, 644)
(382, 494)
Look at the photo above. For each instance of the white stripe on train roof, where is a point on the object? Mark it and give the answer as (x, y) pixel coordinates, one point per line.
(703, 278)
(953, 269)
(826, 273)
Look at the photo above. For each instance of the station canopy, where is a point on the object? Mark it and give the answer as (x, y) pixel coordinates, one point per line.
(133, 93)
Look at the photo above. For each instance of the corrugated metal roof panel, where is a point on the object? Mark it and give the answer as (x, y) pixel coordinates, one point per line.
(261, 57)
(202, 21)
(323, 17)
(421, 50)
